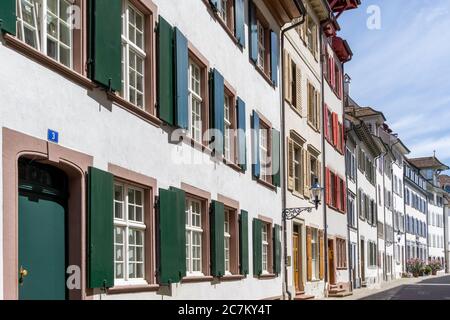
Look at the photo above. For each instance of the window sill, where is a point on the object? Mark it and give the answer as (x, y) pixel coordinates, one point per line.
(196, 279)
(267, 276)
(295, 109)
(313, 127)
(133, 109)
(38, 56)
(266, 184)
(341, 268)
(263, 74)
(232, 165)
(133, 288)
(298, 195)
(232, 277)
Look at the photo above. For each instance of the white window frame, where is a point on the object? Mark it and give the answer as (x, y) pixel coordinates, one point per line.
(227, 242)
(191, 230)
(128, 225)
(41, 15)
(298, 168)
(228, 122)
(195, 116)
(265, 248)
(130, 48)
(261, 45)
(264, 152)
(315, 272)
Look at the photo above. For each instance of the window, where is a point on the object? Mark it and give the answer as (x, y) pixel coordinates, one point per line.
(195, 101)
(129, 233)
(315, 253)
(298, 167)
(262, 46)
(341, 253)
(338, 80)
(265, 249)
(350, 163)
(313, 107)
(330, 125)
(264, 153)
(308, 33)
(372, 258)
(227, 237)
(194, 237)
(351, 210)
(333, 190)
(133, 55)
(44, 26)
(228, 132)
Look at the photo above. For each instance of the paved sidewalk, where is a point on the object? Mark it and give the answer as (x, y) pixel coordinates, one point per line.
(391, 286)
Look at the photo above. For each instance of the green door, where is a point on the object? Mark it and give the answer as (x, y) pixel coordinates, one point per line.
(42, 241)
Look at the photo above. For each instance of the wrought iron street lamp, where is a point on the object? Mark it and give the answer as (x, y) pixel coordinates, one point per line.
(316, 191)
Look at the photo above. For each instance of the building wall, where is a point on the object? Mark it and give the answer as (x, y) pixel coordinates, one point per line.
(90, 123)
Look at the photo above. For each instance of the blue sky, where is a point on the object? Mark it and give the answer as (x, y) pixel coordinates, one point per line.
(403, 69)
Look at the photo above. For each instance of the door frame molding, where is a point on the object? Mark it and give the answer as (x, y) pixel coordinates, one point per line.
(75, 164)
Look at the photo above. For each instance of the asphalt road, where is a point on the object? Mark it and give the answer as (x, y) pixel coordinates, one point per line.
(428, 289)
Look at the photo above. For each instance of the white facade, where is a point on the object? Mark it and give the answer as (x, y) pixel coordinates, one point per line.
(90, 123)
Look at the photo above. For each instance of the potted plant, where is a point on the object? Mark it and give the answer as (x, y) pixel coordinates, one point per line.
(435, 266)
(427, 270)
(415, 266)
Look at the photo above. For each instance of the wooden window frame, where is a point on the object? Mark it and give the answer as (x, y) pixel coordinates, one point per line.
(261, 21)
(149, 187)
(128, 224)
(204, 198)
(230, 92)
(233, 208)
(269, 223)
(198, 59)
(299, 144)
(265, 124)
(341, 254)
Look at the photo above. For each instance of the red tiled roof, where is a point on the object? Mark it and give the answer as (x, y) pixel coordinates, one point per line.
(428, 162)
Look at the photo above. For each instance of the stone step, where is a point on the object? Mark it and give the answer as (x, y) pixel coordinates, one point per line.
(303, 297)
(340, 294)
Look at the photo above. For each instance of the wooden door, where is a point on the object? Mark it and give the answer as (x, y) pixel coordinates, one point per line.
(331, 267)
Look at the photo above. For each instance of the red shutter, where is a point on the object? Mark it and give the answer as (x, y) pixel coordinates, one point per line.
(335, 129)
(343, 138)
(341, 85)
(327, 186)
(338, 192)
(325, 115)
(333, 75)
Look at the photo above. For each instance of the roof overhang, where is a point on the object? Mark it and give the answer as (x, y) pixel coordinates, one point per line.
(285, 11)
(364, 135)
(339, 6)
(322, 10)
(342, 49)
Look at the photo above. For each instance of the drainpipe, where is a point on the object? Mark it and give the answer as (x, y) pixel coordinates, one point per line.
(283, 148)
(324, 166)
(376, 222)
(445, 211)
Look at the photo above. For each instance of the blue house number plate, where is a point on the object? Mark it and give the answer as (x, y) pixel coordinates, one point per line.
(53, 136)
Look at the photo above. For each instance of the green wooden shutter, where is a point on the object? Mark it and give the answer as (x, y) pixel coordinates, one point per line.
(274, 52)
(277, 249)
(105, 43)
(239, 21)
(257, 247)
(181, 72)
(243, 243)
(256, 161)
(166, 91)
(253, 29)
(217, 110)
(217, 239)
(276, 163)
(241, 135)
(172, 236)
(8, 16)
(100, 229)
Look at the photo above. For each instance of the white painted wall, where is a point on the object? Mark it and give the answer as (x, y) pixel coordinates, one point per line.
(34, 98)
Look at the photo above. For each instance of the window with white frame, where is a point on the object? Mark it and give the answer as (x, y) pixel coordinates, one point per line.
(194, 237)
(261, 46)
(228, 128)
(298, 168)
(45, 26)
(195, 101)
(227, 238)
(265, 248)
(264, 153)
(133, 55)
(129, 233)
(315, 254)
(351, 208)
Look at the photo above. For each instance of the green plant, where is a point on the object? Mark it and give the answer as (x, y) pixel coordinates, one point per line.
(415, 266)
(435, 265)
(427, 270)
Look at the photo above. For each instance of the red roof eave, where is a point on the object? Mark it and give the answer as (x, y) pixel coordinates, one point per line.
(342, 49)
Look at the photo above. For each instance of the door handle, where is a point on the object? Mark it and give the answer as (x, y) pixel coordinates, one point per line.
(23, 273)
